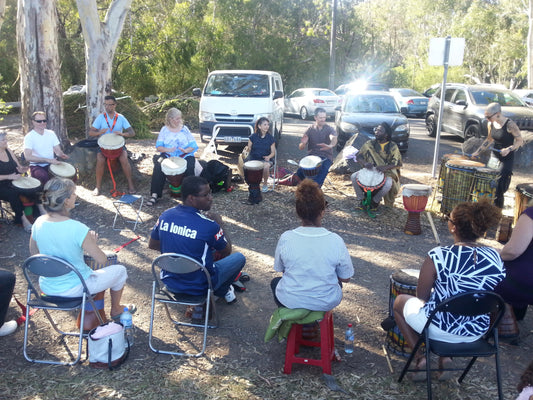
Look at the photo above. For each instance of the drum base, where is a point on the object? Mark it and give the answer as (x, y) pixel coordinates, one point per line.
(175, 192)
(91, 320)
(412, 226)
(254, 196)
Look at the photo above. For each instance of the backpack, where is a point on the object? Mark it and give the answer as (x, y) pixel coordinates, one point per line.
(217, 174)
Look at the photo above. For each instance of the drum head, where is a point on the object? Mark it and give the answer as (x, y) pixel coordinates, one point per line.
(27, 182)
(310, 162)
(174, 166)
(254, 165)
(110, 141)
(370, 178)
(415, 189)
(407, 276)
(464, 164)
(63, 170)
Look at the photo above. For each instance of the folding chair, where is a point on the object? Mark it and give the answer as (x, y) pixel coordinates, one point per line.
(180, 264)
(473, 303)
(128, 199)
(39, 266)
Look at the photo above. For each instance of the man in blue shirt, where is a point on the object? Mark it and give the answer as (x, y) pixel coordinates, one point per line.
(191, 229)
(112, 122)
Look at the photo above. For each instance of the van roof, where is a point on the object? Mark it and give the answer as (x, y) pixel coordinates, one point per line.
(243, 71)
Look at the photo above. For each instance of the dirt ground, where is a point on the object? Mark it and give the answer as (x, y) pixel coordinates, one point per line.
(238, 364)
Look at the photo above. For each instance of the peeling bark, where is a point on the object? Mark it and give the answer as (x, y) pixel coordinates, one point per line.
(39, 67)
(101, 39)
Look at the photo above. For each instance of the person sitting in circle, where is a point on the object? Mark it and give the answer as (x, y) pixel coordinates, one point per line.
(262, 147)
(56, 234)
(446, 272)
(174, 140)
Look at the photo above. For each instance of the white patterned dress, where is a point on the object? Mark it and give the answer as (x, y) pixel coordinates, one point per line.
(461, 269)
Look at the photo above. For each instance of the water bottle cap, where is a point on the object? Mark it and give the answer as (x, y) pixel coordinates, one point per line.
(349, 325)
(125, 308)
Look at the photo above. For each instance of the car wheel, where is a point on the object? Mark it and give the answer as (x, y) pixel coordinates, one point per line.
(303, 113)
(431, 125)
(472, 131)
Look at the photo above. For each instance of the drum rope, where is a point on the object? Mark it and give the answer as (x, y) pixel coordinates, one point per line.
(114, 192)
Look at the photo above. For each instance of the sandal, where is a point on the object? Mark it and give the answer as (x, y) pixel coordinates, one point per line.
(151, 202)
(132, 308)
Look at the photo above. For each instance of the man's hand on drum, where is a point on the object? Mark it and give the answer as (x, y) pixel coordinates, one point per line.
(64, 156)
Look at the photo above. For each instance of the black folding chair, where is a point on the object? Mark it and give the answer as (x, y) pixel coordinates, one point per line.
(38, 266)
(465, 304)
(180, 264)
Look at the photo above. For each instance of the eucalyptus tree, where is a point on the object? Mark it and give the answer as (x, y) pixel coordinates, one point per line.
(38, 56)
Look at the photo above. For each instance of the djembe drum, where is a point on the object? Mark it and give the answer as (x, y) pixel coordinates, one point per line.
(310, 166)
(174, 169)
(485, 182)
(458, 183)
(91, 320)
(28, 187)
(369, 180)
(401, 282)
(63, 170)
(253, 174)
(415, 198)
(111, 145)
(523, 193)
(442, 170)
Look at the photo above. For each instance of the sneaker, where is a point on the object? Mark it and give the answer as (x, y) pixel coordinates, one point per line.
(265, 188)
(230, 296)
(8, 328)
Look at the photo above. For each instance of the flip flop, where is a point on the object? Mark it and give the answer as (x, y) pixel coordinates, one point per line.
(152, 201)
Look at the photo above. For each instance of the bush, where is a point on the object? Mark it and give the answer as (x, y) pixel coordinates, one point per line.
(188, 106)
(75, 112)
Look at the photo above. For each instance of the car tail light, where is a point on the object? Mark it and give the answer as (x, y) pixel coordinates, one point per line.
(318, 101)
(410, 101)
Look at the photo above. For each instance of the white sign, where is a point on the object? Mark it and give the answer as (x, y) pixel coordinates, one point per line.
(437, 47)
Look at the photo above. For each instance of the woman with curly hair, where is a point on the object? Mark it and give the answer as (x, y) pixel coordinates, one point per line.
(525, 386)
(448, 271)
(313, 260)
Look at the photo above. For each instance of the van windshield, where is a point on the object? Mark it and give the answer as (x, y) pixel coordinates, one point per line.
(237, 85)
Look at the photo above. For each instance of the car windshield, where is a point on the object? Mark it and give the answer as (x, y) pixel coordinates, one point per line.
(496, 96)
(371, 104)
(323, 93)
(408, 93)
(237, 85)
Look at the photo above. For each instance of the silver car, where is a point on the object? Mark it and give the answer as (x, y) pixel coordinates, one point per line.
(415, 103)
(305, 101)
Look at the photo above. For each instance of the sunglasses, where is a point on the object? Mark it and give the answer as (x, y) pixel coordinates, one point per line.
(447, 218)
(40, 121)
(110, 104)
(490, 116)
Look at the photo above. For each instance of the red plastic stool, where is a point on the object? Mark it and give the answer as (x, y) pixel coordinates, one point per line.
(326, 344)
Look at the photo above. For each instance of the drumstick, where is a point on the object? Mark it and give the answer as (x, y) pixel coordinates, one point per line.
(125, 244)
(437, 239)
(387, 358)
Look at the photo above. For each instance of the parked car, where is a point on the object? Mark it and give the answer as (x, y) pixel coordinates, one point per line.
(360, 85)
(526, 95)
(415, 103)
(361, 112)
(464, 107)
(304, 102)
(430, 91)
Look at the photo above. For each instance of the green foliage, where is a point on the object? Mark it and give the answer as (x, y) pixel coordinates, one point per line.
(75, 112)
(188, 106)
(8, 54)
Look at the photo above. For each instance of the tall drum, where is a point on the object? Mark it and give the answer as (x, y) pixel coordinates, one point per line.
(310, 166)
(442, 170)
(485, 183)
(174, 169)
(458, 183)
(253, 174)
(415, 198)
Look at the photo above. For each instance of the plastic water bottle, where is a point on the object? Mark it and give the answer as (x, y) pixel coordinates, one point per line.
(126, 319)
(349, 339)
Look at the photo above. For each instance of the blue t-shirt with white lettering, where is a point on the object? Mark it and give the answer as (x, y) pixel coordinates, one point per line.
(185, 230)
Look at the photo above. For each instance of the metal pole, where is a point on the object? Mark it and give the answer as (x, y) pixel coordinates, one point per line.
(332, 45)
(441, 106)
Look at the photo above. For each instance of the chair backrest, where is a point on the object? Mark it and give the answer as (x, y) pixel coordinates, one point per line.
(477, 302)
(41, 265)
(177, 264)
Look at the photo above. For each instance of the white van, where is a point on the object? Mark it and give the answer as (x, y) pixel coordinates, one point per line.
(233, 100)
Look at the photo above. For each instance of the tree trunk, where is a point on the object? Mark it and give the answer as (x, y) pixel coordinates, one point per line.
(101, 39)
(39, 67)
(530, 47)
(2, 11)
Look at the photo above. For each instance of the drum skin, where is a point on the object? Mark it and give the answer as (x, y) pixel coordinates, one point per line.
(253, 172)
(111, 145)
(27, 185)
(370, 179)
(310, 166)
(174, 169)
(63, 170)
